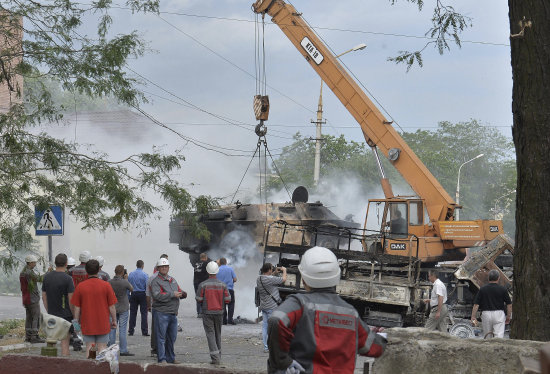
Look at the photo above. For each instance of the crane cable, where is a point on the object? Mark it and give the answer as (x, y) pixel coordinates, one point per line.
(262, 140)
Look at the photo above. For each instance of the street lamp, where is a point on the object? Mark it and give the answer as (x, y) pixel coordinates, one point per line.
(458, 184)
(496, 201)
(319, 122)
(356, 48)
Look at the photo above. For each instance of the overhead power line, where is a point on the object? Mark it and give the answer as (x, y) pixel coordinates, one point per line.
(338, 29)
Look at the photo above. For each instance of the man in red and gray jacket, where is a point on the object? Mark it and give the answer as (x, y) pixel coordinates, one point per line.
(213, 295)
(318, 332)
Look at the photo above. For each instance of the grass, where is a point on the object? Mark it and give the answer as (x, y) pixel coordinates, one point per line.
(12, 326)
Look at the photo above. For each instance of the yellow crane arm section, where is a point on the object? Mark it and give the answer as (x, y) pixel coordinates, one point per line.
(376, 129)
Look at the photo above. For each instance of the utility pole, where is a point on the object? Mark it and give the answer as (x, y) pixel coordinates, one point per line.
(318, 137)
(319, 122)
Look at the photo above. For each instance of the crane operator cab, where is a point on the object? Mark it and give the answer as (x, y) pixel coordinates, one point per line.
(390, 223)
(397, 224)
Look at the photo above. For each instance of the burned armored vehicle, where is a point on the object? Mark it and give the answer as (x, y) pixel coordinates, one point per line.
(239, 231)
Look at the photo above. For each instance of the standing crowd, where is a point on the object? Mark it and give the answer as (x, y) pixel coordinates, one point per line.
(313, 331)
(98, 305)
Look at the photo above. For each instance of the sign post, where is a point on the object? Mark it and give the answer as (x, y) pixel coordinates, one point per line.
(49, 222)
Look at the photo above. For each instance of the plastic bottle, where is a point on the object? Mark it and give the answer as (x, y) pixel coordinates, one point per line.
(93, 352)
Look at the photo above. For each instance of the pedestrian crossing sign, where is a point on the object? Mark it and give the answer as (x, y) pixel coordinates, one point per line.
(49, 221)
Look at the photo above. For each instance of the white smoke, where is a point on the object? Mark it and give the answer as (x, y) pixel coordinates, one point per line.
(238, 247)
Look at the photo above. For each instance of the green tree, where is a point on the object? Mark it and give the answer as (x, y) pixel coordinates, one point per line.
(442, 151)
(529, 30)
(339, 158)
(37, 169)
(483, 181)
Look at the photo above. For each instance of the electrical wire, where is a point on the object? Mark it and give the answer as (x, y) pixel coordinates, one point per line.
(246, 171)
(234, 65)
(424, 37)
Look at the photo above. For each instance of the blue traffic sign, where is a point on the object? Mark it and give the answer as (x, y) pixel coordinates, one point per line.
(49, 221)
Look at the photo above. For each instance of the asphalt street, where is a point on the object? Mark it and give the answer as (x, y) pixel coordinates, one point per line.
(241, 344)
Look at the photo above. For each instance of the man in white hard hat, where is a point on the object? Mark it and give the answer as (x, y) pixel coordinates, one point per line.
(78, 273)
(149, 301)
(31, 299)
(166, 295)
(317, 331)
(213, 296)
(75, 341)
(71, 263)
(102, 275)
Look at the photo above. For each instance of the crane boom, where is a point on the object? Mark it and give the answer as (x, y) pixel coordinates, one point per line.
(378, 131)
(403, 229)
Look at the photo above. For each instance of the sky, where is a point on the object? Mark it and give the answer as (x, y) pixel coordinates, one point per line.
(200, 80)
(202, 53)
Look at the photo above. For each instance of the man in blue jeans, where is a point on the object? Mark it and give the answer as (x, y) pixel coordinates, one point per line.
(138, 280)
(227, 275)
(121, 286)
(166, 295)
(267, 284)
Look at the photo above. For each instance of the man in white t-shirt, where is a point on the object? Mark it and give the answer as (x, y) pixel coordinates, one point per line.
(438, 309)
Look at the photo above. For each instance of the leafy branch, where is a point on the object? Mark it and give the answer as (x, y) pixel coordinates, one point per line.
(446, 24)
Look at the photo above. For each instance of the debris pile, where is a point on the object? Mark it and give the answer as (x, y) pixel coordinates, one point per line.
(416, 350)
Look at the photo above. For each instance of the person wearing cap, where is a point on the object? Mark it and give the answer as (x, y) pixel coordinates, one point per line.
(78, 273)
(94, 308)
(102, 274)
(74, 340)
(71, 263)
(150, 307)
(31, 299)
(317, 331)
(166, 295)
(138, 279)
(213, 296)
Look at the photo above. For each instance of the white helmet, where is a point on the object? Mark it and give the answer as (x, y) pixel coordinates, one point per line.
(212, 268)
(101, 260)
(31, 258)
(163, 262)
(71, 261)
(85, 256)
(319, 268)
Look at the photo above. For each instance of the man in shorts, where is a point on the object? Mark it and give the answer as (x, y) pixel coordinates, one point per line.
(94, 302)
(57, 290)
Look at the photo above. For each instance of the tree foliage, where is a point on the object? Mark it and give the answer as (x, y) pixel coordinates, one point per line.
(58, 60)
(338, 156)
(442, 150)
(447, 24)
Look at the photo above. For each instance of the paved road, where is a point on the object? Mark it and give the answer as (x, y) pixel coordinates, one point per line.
(241, 344)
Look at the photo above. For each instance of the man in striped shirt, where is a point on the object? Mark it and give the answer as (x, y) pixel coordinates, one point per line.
(213, 295)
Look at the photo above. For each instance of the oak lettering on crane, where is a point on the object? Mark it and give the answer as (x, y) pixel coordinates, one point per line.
(398, 246)
(312, 50)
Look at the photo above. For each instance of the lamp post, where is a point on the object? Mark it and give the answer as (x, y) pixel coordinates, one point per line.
(458, 184)
(320, 122)
(496, 201)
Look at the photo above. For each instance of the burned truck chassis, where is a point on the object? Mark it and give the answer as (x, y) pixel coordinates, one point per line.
(387, 291)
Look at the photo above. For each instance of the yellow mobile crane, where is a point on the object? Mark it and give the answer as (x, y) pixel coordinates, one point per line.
(427, 218)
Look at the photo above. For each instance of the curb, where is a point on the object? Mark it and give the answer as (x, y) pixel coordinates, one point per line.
(13, 347)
